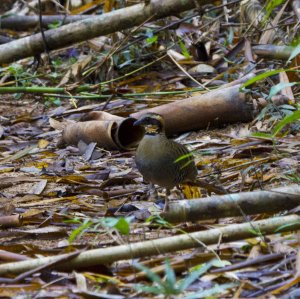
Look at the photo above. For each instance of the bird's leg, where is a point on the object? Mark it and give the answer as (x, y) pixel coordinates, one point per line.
(179, 192)
(152, 192)
(166, 206)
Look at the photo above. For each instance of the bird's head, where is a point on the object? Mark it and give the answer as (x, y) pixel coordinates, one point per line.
(152, 122)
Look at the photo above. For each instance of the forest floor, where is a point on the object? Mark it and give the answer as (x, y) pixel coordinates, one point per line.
(59, 198)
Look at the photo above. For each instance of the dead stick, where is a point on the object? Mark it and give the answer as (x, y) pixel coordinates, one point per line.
(11, 256)
(251, 262)
(63, 258)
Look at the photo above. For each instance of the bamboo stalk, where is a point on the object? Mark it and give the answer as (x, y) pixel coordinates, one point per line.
(231, 205)
(159, 246)
(89, 28)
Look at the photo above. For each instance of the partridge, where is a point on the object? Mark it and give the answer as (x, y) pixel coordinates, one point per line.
(160, 160)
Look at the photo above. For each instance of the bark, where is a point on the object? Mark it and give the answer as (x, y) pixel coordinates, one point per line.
(231, 205)
(159, 246)
(86, 29)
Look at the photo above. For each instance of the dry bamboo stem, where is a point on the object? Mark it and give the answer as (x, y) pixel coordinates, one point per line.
(159, 246)
(17, 22)
(273, 51)
(89, 28)
(230, 205)
(11, 220)
(227, 105)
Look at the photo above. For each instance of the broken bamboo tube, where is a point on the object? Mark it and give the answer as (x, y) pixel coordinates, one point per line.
(108, 131)
(218, 107)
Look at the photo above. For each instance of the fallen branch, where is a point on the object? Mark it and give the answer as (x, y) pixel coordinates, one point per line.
(159, 246)
(89, 28)
(230, 205)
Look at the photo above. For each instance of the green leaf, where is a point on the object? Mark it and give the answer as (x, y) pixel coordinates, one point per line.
(287, 120)
(79, 230)
(194, 274)
(264, 75)
(288, 107)
(255, 232)
(147, 289)
(151, 275)
(158, 220)
(55, 24)
(152, 39)
(278, 87)
(294, 53)
(271, 5)
(217, 289)
(184, 50)
(123, 226)
(183, 157)
(109, 221)
(262, 135)
(220, 263)
(170, 282)
(297, 223)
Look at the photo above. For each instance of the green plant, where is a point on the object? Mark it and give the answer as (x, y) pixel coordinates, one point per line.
(52, 101)
(151, 37)
(285, 121)
(122, 225)
(184, 50)
(296, 50)
(292, 177)
(55, 24)
(287, 225)
(278, 87)
(170, 285)
(21, 76)
(80, 230)
(264, 76)
(271, 5)
(158, 220)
